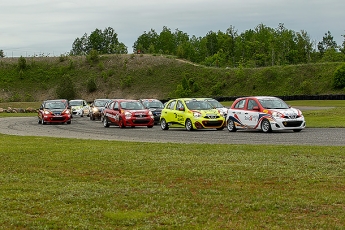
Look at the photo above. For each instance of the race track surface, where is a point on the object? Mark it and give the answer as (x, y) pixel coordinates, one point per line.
(84, 128)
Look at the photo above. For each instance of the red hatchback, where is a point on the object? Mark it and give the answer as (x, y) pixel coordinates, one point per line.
(123, 112)
(54, 111)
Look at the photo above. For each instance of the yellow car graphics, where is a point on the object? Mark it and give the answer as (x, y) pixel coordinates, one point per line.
(191, 114)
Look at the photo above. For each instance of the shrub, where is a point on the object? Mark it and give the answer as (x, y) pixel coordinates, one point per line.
(66, 88)
(91, 85)
(93, 56)
(339, 78)
(22, 63)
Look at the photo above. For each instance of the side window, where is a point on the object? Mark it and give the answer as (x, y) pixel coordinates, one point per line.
(251, 104)
(111, 105)
(240, 104)
(179, 105)
(116, 106)
(171, 105)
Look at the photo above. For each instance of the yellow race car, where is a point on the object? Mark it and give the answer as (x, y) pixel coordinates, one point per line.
(191, 113)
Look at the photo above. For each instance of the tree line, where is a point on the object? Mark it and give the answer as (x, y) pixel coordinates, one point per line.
(258, 47)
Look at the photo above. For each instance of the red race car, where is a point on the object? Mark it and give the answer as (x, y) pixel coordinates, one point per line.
(123, 112)
(54, 111)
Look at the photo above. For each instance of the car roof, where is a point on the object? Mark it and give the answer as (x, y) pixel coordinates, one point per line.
(257, 97)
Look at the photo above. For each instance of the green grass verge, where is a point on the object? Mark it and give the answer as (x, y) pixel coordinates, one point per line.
(59, 183)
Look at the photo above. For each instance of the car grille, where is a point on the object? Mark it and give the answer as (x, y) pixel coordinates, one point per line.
(212, 123)
(211, 116)
(292, 123)
(140, 121)
(57, 118)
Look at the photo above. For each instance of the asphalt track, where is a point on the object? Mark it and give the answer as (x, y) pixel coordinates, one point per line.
(84, 128)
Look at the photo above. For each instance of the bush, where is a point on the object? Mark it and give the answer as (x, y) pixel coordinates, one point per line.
(339, 78)
(22, 63)
(66, 89)
(93, 56)
(91, 85)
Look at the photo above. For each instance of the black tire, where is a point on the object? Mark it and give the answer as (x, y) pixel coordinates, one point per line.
(105, 122)
(39, 121)
(164, 124)
(230, 125)
(297, 130)
(43, 122)
(189, 125)
(149, 126)
(69, 122)
(266, 126)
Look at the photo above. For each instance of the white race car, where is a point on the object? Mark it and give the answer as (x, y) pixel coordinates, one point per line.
(264, 113)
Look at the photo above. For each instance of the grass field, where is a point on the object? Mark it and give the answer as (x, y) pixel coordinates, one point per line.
(57, 183)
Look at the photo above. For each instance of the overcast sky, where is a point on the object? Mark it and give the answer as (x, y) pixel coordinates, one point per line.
(50, 26)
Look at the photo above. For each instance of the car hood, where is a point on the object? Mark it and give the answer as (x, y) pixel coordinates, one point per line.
(208, 112)
(56, 110)
(286, 112)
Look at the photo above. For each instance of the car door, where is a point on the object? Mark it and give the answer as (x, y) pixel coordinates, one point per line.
(109, 112)
(251, 113)
(237, 113)
(179, 113)
(169, 112)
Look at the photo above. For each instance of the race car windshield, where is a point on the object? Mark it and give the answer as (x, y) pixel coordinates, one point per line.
(132, 105)
(198, 105)
(100, 103)
(215, 104)
(153, 104)
(76, 103)
(273, 104)
(54, 105)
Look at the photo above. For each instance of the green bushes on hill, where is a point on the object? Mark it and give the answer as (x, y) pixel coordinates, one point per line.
(163, 77)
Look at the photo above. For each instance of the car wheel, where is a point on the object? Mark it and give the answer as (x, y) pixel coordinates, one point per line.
(266, 126)
(297, 130)
(231, 126)
(189, 125)
(105, 122)
(164, 124)
(149, 126)
(39, 121)
(121, 124)
(43, 122)
(82, 114)
(69, 122)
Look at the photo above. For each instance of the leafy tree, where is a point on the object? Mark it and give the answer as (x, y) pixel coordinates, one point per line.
(146, 42)
(105, 42)
(326, 43)
(342, 49)
(339, 78)
(2, 55)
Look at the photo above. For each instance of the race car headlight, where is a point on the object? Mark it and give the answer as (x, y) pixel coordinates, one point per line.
(277, 114)
(66, 111)
(222, 113)
(196, 114)
(47, 112)
(95, 110)
(128, 114)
